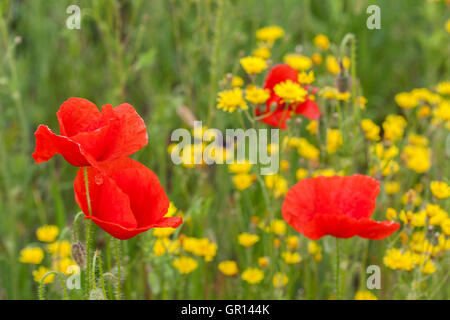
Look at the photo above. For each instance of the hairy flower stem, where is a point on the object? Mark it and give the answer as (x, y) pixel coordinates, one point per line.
(117, 253)
(88, 236)
(61, 279)
(338, 273)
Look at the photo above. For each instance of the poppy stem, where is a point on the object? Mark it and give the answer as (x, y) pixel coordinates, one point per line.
(88, 236)
(117, 253)
(338, 273)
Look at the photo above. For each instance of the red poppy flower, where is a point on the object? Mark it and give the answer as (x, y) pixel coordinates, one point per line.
(125, 200)
(89, 136)
(280, 114)
(337, 206)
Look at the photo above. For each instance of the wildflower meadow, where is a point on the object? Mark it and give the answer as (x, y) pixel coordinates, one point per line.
(224, 150)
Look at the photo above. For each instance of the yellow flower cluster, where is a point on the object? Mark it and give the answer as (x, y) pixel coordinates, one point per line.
(201, 247)
(440, 189)
(394, 127)
(371, 130)
(334, 140)
(242, 178)
(417, 158)
(315, 250)
(306, 77)
(277, 183)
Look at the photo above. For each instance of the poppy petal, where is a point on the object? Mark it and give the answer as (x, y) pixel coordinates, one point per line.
(280, 73)
(376, 230)
(48, 144)
(309, 109)
(79, 115)
(128, 132)
(107, 201)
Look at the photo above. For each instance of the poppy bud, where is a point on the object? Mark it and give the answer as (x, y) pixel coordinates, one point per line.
(79, 254)
(343, 82)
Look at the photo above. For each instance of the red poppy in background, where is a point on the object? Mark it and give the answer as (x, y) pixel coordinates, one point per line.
(125, 198)
(278, 117)
(336, 206)
(88, 136)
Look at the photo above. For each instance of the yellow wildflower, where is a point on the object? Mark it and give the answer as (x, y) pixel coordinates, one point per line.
(185, 264)
(317, 58)
(228, 268)
(237, 82)
(371, 130)
(394, 126)
(397, 260)
(392, 187)
(278, 227)
(292, 242)
(263, 262)
(290, 91)
(262, 52)
(33, 255)
(257, 95)
(298, 62)
(243, 180)
(306, 77)
(333, 64)
(313, 127)
(253, 65)
(321, 41)
(47, 233)
(163, 232)
(247, 239)
(230, 100)
(391, 214)
(240, 167)
(291, 257)
(443, 87)
(440, 189)
(164, 245)
(60, 248)
(334, 140)
(301, 174)
(280, 280)
(406, 100)
(424, 111)
(269, 34)
(428, 268)
(253, 275)
(417, 158)
(307, 150)
(365, 295)
(40, 273)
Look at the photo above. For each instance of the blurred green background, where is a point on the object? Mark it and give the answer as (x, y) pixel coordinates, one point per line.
(157, 55)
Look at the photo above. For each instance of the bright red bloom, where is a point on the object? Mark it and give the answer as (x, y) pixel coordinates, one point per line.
(337, 206)
(89, 136)
(278, 117)
(126, 198)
